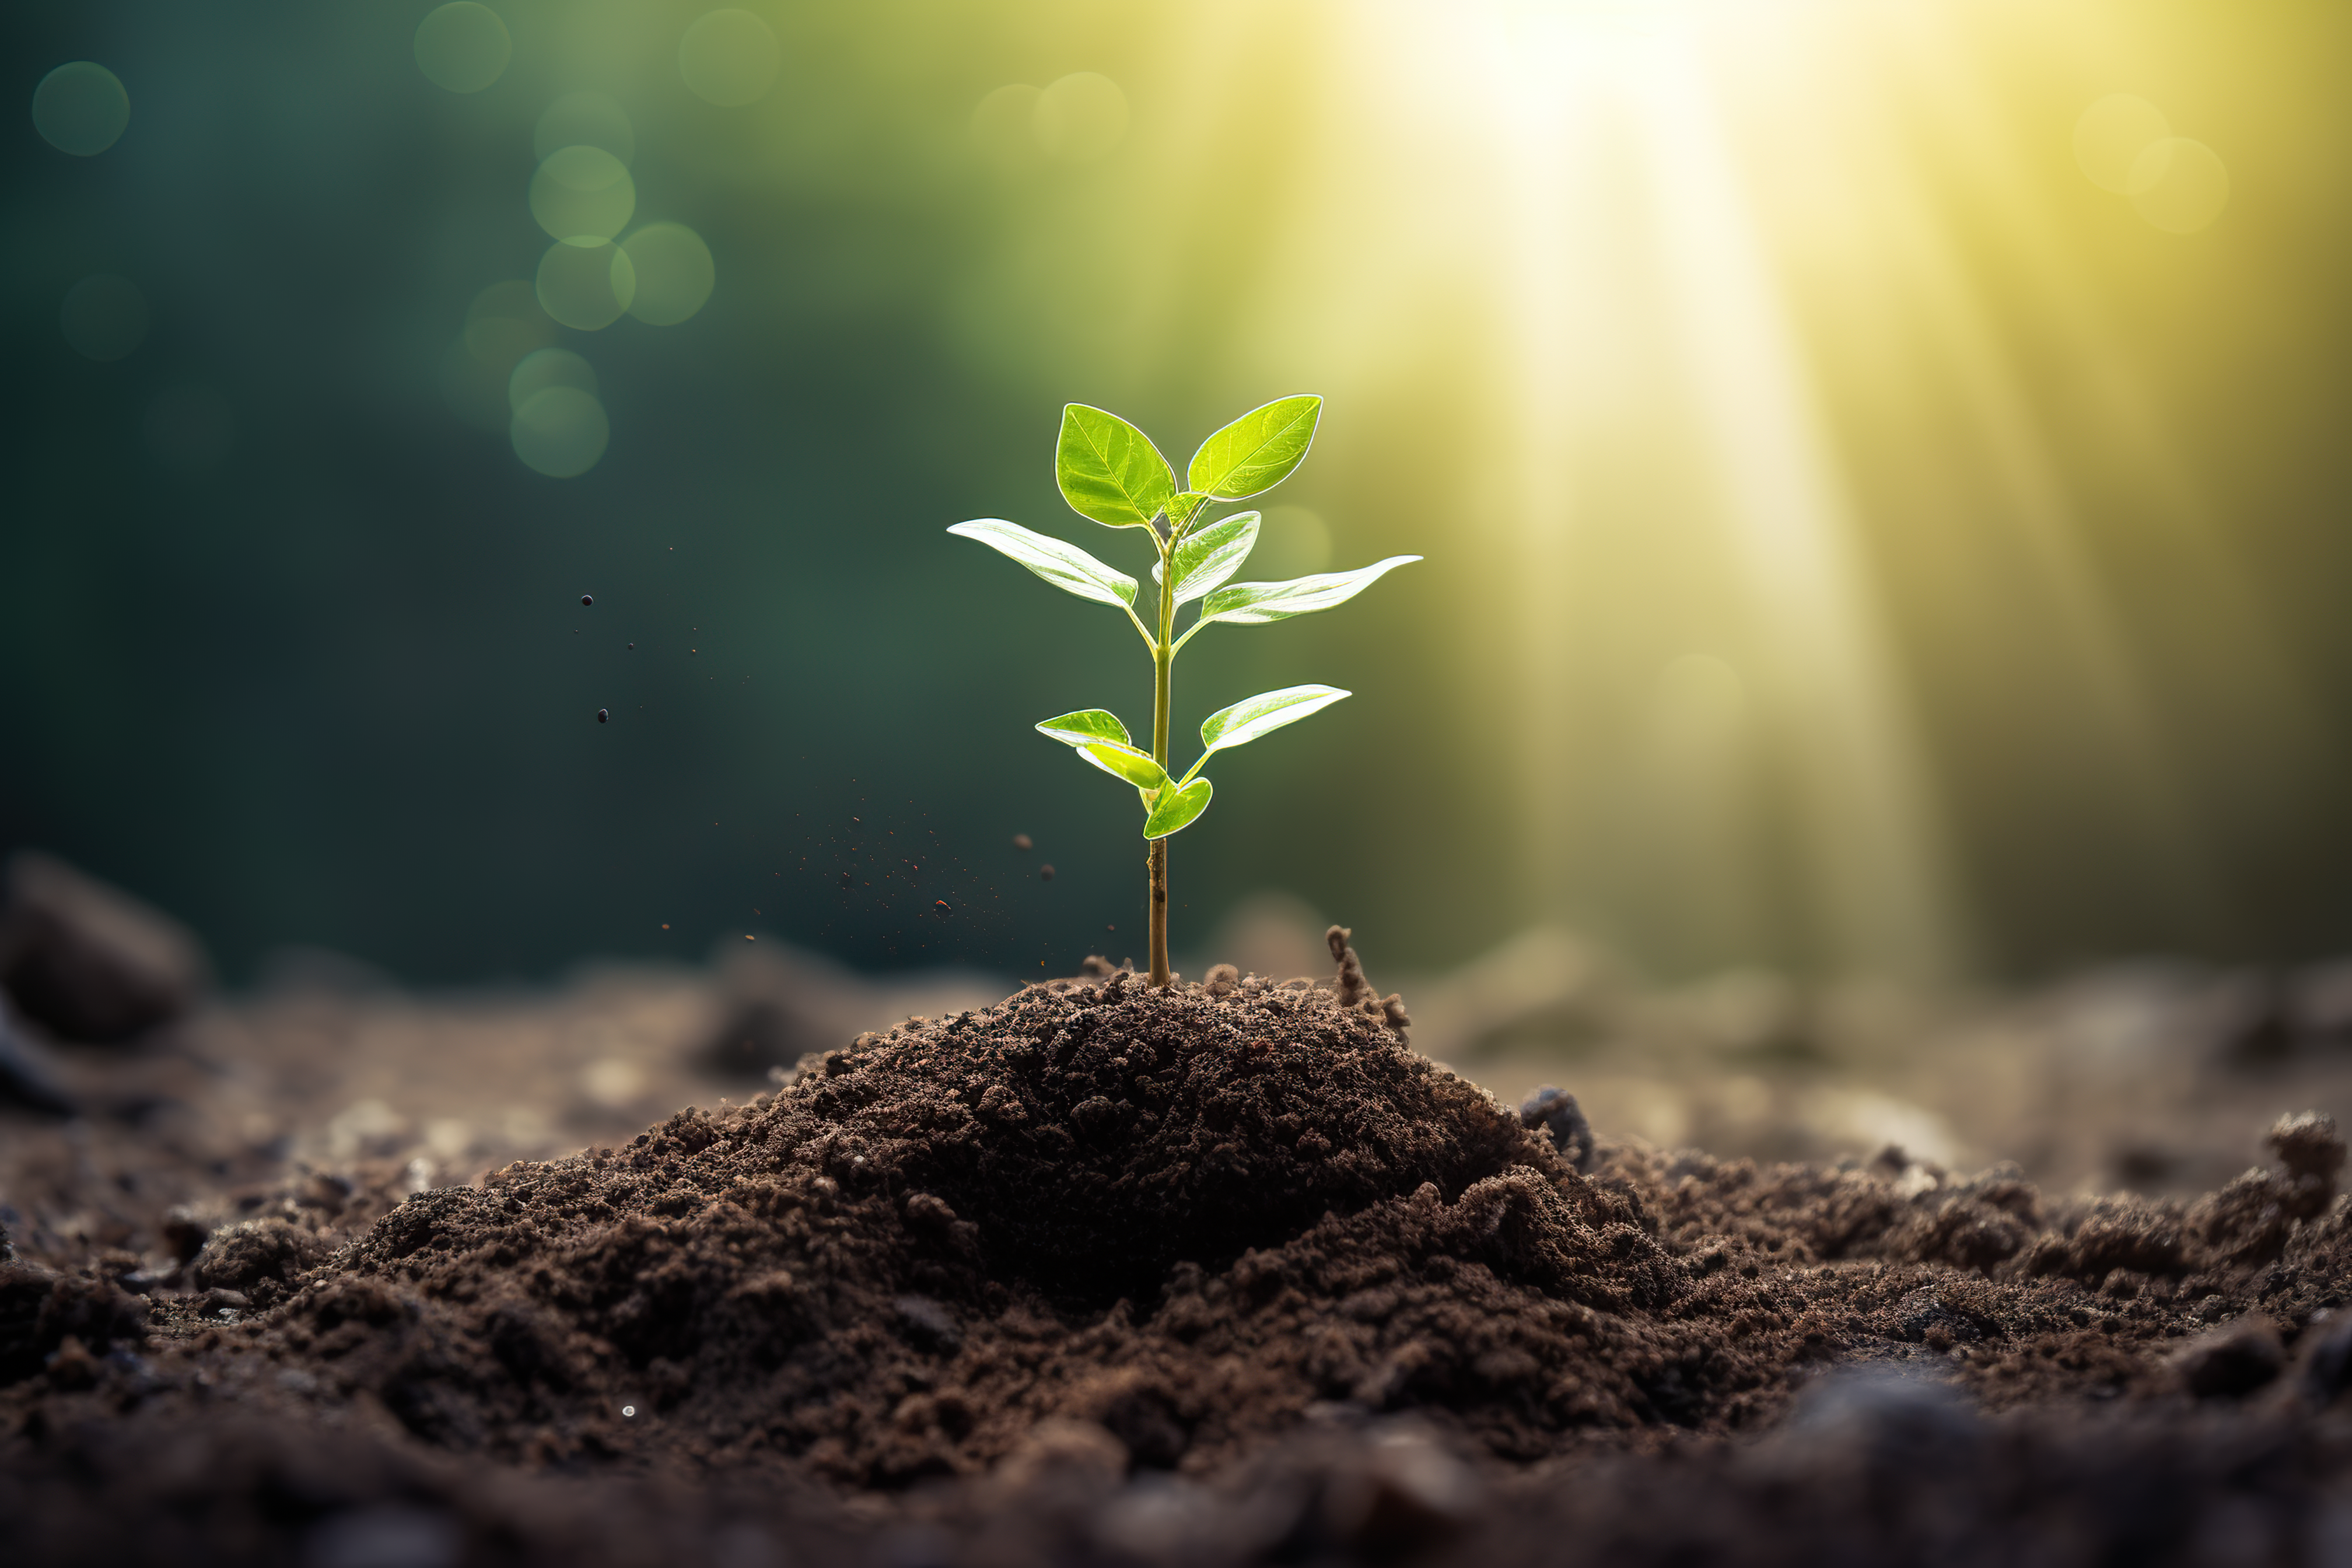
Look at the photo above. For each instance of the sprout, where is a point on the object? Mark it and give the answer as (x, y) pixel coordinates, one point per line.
(1109, 471)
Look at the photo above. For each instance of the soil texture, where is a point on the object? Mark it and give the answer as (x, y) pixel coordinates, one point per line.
(1224, 1273)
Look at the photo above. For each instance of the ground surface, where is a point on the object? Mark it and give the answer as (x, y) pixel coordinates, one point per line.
(336, 1276)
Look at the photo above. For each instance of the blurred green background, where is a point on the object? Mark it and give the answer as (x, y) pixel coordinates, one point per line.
(1884, 492)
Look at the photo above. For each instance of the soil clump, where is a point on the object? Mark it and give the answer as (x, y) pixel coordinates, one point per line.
(1100, 1250)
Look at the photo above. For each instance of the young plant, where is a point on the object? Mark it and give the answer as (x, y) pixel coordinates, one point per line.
(1109, 471)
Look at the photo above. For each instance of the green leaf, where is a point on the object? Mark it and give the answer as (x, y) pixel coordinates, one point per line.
(1127, 763)
(1110, 470)
(1254, 604)
(1257, 451)
(1206, 559)
(1065, 566)
(1181, 507)
(1254, 716)
(1176, 809)
(1086, 726)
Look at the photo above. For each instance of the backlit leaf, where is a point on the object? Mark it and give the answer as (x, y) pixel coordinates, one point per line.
(1065, 566)
(1254, 604)
(1257, 451)
(1176, 809)
(1254, 716)
(1206, 559)
(1127, 763)
(1085, 727)
(1108, 469)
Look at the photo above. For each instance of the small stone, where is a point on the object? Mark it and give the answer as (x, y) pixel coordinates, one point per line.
(2232, 1363)
(1556, 1111)
(603, 715)
(587, 598)
(2307, 1144)
(29, 1075)
(89, 960)
(1023, 841)
(2326, 1370)
(1045, 873)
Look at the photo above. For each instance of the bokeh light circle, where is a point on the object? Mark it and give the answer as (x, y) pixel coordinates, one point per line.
(462, 46)
(1080, 118)
(104, 317)
(81, 108)
(729, 57)
(2179, 185)
(1004, 126)
(2112, 134)
(560, 431)
(674, 273)
(584, 119)
(583, 191)
(535, 372)
(586, 285)
(504, 322)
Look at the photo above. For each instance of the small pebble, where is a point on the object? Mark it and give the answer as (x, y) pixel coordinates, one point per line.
(1111, 927)
(633, 647)
(1044, 873)
(603, 715)
(587, 598)
(1020, 841)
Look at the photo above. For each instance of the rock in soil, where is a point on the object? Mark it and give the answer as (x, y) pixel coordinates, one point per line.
(87, 960)
(1219, 1274)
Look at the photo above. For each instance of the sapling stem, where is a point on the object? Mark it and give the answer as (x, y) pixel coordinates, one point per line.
(1108, 470)
(1163, 670)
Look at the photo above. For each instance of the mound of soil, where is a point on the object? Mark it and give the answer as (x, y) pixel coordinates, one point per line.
(1232, 1235)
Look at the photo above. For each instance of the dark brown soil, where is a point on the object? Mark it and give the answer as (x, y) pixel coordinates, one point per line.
(1222, 1274)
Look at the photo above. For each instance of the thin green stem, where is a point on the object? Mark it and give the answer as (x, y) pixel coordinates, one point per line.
(1163, 665)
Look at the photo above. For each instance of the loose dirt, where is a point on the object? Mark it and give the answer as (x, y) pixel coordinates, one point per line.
(1224, 1273)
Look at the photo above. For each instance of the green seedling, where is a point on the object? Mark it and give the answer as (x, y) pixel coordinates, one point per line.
(1109, 471)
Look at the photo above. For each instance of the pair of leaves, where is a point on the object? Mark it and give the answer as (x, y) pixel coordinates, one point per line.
(1203, 563)
(1098, 736)
(1172, 804)
(1110, 470)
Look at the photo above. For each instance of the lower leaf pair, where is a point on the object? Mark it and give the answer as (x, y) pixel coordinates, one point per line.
(1172, 804)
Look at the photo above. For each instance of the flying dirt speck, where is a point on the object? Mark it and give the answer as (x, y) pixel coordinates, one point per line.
(1044, 873)
(1021, 841)
(587, 598)
(603, 715)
